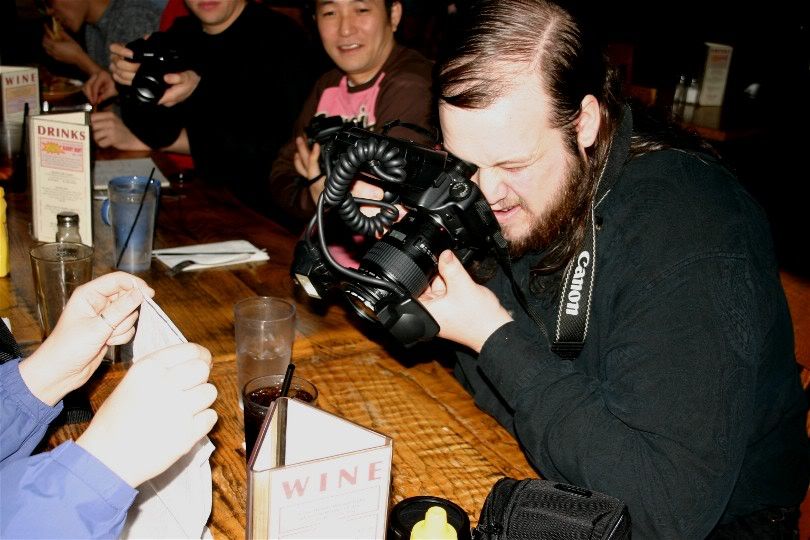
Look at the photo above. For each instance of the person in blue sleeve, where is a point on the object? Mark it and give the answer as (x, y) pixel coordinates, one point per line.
(83, 489)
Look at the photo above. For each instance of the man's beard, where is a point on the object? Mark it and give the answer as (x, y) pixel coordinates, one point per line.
(561, 215)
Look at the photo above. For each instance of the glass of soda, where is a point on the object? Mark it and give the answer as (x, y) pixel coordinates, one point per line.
(259, 393)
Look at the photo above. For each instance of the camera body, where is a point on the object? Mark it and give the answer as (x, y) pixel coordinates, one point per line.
(158, 55)
(323, 130)
(446, 210)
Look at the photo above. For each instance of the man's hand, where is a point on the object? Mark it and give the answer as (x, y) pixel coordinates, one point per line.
(306, 164)
(155, 415)
(99, 314)
(123, 71)
(62, 47)
(99, 87)
(110, 131)
(181, 86)
(467, 313)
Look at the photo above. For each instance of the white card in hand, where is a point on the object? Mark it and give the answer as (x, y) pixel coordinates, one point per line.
(176, 503)
(155, 330)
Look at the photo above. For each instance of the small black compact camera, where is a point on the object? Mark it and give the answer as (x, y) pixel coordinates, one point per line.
(445, 211)
(158, 55)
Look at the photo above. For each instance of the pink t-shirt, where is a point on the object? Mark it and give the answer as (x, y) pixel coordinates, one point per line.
(359, 106)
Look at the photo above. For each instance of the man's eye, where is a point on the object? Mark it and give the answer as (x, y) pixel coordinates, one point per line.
(515, 168)
(327, 13)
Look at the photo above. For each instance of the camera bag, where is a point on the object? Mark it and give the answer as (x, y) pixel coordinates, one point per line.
(536, 509)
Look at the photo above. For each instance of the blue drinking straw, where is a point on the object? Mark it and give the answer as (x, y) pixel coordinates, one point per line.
(135, 221)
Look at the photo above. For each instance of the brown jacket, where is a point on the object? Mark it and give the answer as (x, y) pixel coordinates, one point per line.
(405, 94)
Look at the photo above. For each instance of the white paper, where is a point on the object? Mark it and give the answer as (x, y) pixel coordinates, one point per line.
(212, 255)
(107, 169)
(177, 503)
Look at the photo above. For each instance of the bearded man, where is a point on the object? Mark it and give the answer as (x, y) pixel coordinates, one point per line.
(669, 379)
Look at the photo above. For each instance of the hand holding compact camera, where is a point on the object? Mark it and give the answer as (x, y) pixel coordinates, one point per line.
(158, 55)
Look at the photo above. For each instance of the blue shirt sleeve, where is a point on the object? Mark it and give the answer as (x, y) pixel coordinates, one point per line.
(23, 417)
(64, 493)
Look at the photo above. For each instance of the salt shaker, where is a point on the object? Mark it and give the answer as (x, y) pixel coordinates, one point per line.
(692, 92)
(680, 91)
(67, 227)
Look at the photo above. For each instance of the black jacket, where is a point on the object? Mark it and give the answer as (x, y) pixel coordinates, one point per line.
(254, 77)
(685, 401)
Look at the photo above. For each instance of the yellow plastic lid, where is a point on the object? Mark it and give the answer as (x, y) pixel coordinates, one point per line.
(434, 526)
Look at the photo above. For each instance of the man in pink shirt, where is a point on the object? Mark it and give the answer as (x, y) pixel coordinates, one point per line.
(375, 81)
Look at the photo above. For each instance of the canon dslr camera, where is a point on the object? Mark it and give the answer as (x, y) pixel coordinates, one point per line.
(445, 211)
(158, 55)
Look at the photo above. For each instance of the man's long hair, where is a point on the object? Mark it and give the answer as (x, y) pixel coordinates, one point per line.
(570, 64)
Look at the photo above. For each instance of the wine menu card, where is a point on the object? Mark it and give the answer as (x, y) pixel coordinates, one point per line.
(313, 474)
(59, 153)
(18, 85)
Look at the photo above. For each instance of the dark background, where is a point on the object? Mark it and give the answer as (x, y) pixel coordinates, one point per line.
(771, 43)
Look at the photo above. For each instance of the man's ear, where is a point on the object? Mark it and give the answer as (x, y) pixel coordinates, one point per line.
(588, 121)
(396, 14)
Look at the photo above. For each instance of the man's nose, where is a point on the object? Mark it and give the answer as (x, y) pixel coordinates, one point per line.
(347, 26)
(491, 185)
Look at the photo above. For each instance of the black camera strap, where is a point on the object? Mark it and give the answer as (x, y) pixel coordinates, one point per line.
(574, 310)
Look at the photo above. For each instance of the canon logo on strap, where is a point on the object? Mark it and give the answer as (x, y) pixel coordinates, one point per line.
(575, 291)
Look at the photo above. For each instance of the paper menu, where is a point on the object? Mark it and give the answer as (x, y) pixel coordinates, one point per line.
(18, 85)
(316, 475)
(715, 74)
(59, 153)
(176, 503)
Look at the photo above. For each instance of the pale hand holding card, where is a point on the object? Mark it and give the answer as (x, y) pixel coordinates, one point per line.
(177, 503)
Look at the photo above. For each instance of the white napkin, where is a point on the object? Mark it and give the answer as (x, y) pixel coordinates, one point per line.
(105, 170)
(176, 503)
(212, 255)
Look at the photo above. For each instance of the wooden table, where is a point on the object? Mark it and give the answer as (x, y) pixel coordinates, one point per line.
(443, 445)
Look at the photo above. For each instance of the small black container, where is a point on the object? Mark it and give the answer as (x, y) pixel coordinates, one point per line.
(407, 512)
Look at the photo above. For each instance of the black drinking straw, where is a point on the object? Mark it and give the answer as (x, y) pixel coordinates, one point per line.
(285, 385)
(135, 221)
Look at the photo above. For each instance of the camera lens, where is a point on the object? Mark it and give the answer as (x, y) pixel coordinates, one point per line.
(407, 255)
(365, 300)
(148, 87)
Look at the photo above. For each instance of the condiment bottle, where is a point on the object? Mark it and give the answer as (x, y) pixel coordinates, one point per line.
(67, 227)
(76, 404)
(3, 235)
(434, 526)
(680, 90)
(692, 92)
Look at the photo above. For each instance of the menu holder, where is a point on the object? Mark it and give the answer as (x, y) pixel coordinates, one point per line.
(18, 85)
(715, 74)
(313, 474)
(59, 151)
